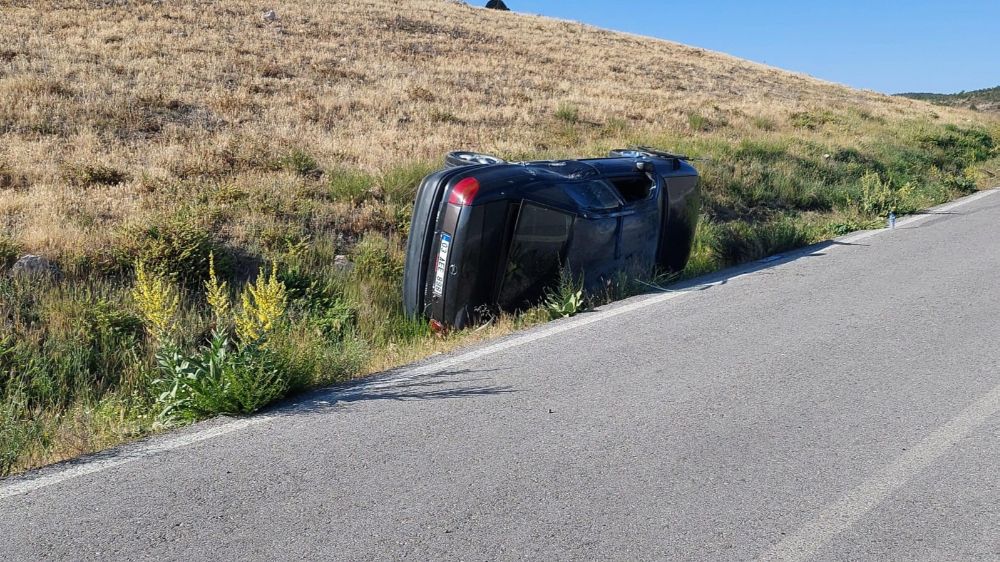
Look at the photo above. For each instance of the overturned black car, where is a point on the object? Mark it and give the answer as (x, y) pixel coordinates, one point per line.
(488, 234)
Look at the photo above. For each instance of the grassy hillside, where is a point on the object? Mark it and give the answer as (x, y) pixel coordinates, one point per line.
(160, 137)
(987, 99)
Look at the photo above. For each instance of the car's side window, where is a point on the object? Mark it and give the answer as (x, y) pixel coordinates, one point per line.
(535, 255)
(633, 188)
(597, 195)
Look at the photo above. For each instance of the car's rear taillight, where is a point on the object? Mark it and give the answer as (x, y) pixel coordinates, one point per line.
(464, 192)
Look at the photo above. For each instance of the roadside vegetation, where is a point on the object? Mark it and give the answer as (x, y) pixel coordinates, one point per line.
(224, 200)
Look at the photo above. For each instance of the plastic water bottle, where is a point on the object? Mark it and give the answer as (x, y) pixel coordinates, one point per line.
(892, 219)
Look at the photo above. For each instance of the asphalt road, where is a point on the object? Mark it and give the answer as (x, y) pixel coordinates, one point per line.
(841, 403)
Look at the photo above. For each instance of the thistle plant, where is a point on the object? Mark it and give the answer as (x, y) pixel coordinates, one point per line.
(263, 305)
(567, 298)
(157, 300)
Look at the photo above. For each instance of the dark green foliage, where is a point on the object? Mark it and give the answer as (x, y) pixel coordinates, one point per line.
(301, 163)
(18, 432)
(219, 379)
(698, 122)
(9, 252)
(375, 257)
(568, 113)
(813, 119)
(399, 184)
(738, 242)
(971, 99)
(96, 174)
(178, 247)
(351, 186)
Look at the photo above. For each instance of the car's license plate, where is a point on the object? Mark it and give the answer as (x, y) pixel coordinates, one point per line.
(442, 264)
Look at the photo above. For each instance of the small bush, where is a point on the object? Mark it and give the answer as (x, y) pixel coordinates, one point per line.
(568, 114)
(217, 380)
(566, 299)
(615, 126)
(880, 197)
(812, 120)
(376, 257)
(300, 163)
(178, 248)
(96, 174)
(9, 251)
(441, 116)
(399, 184)
(700, 123)
(17, 433)
(764, 123)
(962, 184)
(351, 186)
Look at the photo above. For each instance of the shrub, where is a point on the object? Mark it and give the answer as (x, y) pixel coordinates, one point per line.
(17, 433)
(697, 122)
(217, 380)
(880, 197)
(375, 257)
(300, 163)
(9, 251)
(566, 299)
(568, 113)
(962, 184)
(350, 186)
(764, 123)
(96, 174)
(177, 248)
(399, 184)
(217, 293)
(812, 120)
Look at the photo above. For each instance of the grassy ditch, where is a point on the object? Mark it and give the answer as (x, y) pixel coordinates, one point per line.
(175, 322)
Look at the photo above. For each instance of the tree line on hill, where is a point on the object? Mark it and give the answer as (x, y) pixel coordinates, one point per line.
(987, 99)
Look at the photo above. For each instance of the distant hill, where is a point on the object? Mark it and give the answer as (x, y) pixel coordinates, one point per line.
(987, 99)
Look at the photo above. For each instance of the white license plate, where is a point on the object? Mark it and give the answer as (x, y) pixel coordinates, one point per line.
(442, 264)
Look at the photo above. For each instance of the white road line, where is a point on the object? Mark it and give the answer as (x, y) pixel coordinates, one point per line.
(18, 487)
(848, 510)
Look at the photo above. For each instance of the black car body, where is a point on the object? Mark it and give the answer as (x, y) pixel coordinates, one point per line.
(488, 234)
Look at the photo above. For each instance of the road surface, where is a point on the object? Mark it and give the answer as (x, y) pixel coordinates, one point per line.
(837, 403)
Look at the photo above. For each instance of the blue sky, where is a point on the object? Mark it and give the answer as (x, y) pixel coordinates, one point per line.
(885, 45)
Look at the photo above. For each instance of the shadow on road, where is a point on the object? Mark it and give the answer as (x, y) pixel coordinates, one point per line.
(445, 384)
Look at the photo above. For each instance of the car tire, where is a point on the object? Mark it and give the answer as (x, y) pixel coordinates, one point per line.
(463, 158)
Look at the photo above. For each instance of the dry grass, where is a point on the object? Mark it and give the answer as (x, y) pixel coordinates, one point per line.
(177, 99)
(165, 130)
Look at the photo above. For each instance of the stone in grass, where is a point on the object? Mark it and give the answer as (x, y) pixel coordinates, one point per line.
(342, 263)
(30, 265)
(497, 5)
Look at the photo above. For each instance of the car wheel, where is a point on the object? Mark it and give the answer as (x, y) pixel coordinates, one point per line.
(462, 158)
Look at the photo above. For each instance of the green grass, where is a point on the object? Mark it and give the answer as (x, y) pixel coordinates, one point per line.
(80, 371)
